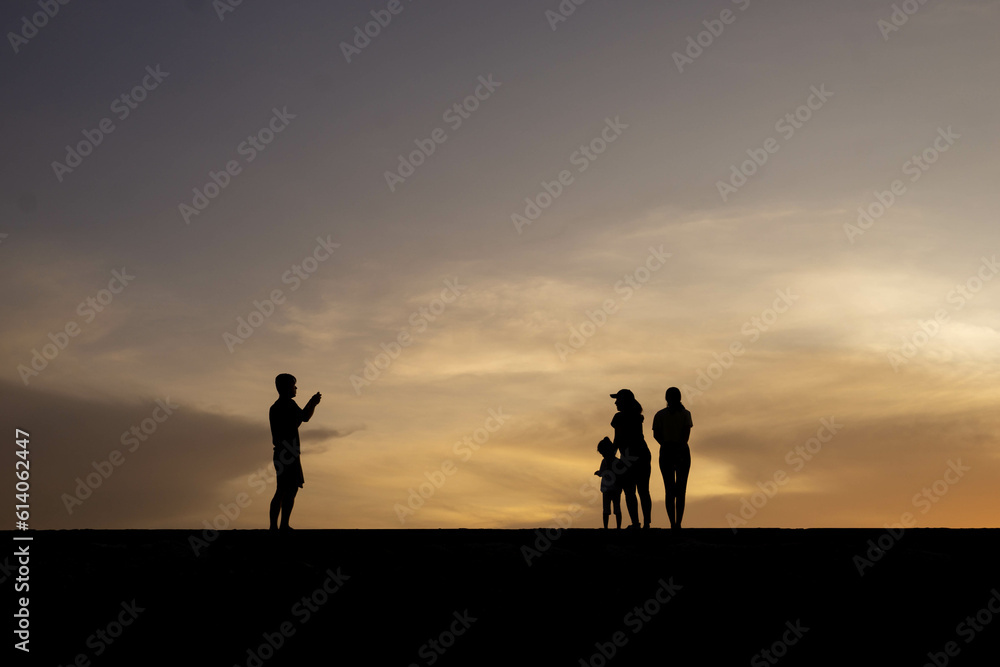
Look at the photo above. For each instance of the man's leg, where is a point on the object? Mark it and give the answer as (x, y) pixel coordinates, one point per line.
(287, 502)
(275, 508)
(278, 491)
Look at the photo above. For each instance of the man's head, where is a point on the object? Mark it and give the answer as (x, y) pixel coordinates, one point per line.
(285, 384)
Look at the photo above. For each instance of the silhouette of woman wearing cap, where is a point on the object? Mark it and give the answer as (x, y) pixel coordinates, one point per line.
(635, 456)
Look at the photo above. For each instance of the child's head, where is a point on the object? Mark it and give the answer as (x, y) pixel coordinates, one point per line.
(606, 448)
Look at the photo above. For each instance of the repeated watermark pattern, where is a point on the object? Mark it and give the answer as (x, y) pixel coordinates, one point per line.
(122, 106)
(455, 116)
(752, 328)
(32, 23)
(634, 620)
(363, 34)
(88, 309)
(418, 322)
(584, 156)
(264, 308)
(797, 458)
(464, 449)
(132, 439)
(914, 167)
(927, 329)
(924, 500)
(597, 317)
(899, 17)
(248, 149)
(786, 126)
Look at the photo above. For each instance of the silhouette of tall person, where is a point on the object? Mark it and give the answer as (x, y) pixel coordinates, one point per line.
(635, 456)
(285, 417)
(672, 428)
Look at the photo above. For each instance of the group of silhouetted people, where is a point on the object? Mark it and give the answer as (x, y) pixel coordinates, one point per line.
(630, 473)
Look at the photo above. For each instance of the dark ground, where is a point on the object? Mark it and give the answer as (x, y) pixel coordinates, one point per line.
(399, 589)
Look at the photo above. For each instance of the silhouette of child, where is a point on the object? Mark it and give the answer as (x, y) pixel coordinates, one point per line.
(611, 486)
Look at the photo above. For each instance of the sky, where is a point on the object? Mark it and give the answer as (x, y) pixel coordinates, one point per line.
(467, 224)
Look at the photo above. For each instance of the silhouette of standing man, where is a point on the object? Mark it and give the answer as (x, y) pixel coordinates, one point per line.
(286, 416)
(672, 428)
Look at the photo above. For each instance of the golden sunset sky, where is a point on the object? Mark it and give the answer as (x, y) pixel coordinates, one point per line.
(543, 211)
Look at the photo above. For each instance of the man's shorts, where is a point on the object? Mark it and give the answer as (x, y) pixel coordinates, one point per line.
(289, 474)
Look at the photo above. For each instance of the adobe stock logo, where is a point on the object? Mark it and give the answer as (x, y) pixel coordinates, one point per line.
(915, 167)
(37, 21)
(696, 44)
(961, 294)
(419, 321)
(103, 469)
(585, 155)
(60, 340)
(923, 500)
(786, 126)
(122, 106)
(250, 148)
(454, 115)
(294, 276)
(565, 9)
(752, 328)
(629, 284)
(796, 458)
(437, 478)
(381, 18)
(635, 620)
(900, 16)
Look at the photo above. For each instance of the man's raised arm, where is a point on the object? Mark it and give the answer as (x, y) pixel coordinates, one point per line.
(307, 412)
